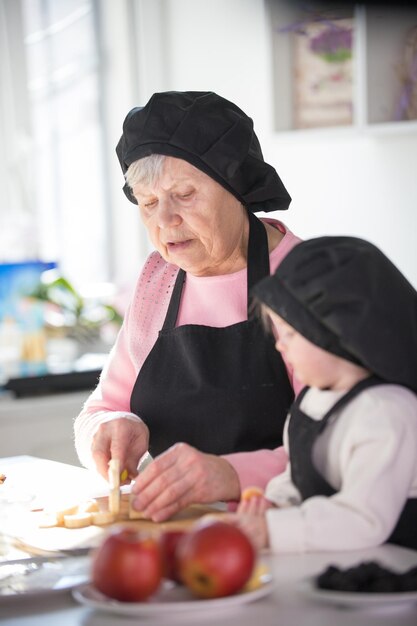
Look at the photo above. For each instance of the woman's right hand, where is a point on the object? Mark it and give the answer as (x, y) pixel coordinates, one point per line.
(122, 439)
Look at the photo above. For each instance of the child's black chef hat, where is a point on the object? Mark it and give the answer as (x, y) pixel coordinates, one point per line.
(345, 295)
(212, 134)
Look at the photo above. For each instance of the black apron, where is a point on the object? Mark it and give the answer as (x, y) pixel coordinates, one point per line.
(221, 390)
(302, 434)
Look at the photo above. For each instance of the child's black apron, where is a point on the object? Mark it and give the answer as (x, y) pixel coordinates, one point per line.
(221, 390)
(302, 434)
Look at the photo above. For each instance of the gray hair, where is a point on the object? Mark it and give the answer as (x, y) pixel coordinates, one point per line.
(146, 170)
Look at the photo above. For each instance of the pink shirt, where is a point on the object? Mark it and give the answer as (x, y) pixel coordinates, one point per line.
(143, 320)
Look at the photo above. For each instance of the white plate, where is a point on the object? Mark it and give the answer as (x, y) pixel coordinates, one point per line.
(356, 599)
(170, 598)
(38, 576)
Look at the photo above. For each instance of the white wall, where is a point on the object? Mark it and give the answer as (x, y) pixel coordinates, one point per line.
(363, 185)
(340, 183)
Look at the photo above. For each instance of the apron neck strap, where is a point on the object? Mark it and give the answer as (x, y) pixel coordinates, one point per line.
(174, 303)
(258, 253)
(258, 268)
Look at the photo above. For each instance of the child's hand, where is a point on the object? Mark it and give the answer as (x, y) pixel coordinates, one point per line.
(250, 516)
(253, 502)
(255, 528)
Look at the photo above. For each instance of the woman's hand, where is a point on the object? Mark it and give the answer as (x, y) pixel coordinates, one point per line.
(122, 439)
(182, 476)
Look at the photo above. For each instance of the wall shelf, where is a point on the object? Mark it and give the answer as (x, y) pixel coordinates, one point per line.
(380, 37)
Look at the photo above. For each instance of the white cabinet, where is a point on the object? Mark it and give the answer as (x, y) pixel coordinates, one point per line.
(380, 65)
(40, 426)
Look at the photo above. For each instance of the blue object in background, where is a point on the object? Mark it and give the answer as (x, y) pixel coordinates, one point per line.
(16, 281)
(22, 337)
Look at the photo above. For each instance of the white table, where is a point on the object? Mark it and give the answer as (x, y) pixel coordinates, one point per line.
(286, 606)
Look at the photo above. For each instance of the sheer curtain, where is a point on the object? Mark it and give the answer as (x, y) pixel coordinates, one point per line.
(18, 222)
(53, 182)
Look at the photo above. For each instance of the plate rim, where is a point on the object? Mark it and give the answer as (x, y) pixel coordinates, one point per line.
(148, 608)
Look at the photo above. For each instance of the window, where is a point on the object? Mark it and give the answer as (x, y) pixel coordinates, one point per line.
(53, 129)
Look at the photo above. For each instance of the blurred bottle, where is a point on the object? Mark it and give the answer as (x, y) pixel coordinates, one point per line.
(33, 346)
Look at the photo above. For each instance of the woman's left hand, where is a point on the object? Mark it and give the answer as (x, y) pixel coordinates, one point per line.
(182, 476)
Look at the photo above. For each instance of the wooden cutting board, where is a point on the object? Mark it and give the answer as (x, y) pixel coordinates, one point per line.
(40, 540)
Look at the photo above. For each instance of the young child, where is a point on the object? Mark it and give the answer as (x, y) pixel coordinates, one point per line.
(345, 319)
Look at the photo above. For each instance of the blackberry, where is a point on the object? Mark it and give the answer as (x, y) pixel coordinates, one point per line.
(369, 577)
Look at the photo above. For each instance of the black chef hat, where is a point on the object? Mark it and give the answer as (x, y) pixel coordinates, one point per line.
(212, 134)
(345, 295)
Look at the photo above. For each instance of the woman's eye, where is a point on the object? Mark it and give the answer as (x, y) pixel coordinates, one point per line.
(149, 204)
(186, 196)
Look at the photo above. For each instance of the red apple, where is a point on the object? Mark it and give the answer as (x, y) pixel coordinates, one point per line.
(127, 565)
(169, 541)
(215, 559)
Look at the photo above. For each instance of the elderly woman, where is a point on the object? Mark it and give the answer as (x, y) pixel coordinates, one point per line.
(193, 378)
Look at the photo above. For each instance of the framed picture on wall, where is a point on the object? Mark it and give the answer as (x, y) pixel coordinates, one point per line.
(323, 73)
(406, 106)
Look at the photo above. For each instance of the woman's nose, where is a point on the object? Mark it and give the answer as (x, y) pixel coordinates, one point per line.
(167, 213)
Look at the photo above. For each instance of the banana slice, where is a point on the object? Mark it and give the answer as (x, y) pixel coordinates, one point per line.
(90, 506)
(77, 520)
(60, 513)
(77, 516)
(102, 518)
(48, 520)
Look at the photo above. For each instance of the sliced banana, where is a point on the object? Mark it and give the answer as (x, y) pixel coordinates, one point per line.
(101, 518)
(90, 506)
(77, 520)
(61, 513)
(89, 512)
(48, 520)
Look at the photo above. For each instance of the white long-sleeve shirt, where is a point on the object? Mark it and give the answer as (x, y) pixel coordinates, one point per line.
(368, 453)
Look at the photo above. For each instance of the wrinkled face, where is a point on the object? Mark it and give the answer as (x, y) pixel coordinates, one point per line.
(193, 221)
(312, 365)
